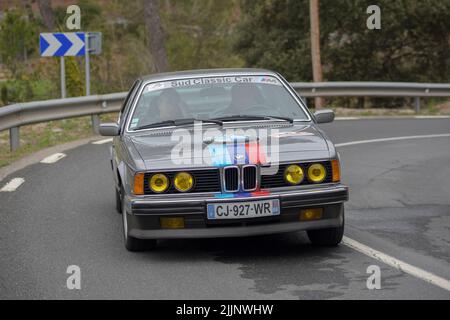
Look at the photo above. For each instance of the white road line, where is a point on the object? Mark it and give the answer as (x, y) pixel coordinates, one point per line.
(398, 264)
(53, 158)
(392, 139)
(346, 118)
(103, 141)
(431, 117)
(12, 185)
(391, 261)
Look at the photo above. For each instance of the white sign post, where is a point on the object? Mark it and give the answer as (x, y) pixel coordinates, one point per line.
(63, 78)
(62, 45)
(72, 44)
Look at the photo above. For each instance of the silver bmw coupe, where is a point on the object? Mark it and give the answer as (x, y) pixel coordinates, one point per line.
(223, 153)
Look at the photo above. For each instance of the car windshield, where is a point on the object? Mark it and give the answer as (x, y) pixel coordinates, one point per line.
(227, 98)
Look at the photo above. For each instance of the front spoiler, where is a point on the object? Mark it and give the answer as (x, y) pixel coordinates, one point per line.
(247, 231)
(165, 206)
(140, 210)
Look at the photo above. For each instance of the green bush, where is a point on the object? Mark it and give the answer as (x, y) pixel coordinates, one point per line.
(15, 91)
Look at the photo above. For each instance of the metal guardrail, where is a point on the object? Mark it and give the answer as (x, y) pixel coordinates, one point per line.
(14, 116)
(372, 89)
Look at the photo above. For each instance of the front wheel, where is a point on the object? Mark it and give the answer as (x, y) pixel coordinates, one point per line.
(133, 244)
(119, 200)
(327, 237)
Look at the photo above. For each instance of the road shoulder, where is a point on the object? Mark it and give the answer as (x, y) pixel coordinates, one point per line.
(41, 154)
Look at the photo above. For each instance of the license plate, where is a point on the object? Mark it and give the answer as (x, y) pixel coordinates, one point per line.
(243, 210)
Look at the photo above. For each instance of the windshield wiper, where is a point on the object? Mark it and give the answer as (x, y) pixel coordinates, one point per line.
(219, 121)
(216, 121)
(290, 120)
(178, 122)
(157, 125)
(251, 117)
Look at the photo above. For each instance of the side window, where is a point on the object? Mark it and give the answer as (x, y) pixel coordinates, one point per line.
(125, 103)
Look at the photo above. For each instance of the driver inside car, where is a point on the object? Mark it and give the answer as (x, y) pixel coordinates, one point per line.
(170, 105)
(167, 106)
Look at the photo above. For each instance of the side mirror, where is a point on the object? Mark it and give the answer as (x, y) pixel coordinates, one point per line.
(109, 129)
(324, 116)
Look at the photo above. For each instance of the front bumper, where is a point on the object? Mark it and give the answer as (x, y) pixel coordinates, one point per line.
(143, 214)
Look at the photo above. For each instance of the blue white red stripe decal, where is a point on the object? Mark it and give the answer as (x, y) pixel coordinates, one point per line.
(242, 195)
(237, 153)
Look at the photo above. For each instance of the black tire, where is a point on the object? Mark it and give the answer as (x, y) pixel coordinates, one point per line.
(327, 237)
(119, 201)
(139, 245)
(133, 244)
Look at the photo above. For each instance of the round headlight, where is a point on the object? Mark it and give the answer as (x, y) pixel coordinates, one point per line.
(317, 173)
(294, 174)
(183, 182)
(159, 183)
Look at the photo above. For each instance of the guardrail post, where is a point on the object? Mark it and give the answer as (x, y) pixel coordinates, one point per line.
(14, 138)
(417, 104)
(95, 119)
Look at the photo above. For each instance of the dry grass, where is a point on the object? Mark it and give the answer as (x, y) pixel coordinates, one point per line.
(43, 135)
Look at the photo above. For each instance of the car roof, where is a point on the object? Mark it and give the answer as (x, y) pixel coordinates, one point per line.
(206, 73)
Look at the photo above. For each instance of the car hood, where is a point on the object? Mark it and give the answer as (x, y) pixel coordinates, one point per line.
(163, 150)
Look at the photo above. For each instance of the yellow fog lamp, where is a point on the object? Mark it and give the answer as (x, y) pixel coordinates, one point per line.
(183, 181)
(159, 183)
(294, 174)
(172, 223)
(311, 214)
(317, 173)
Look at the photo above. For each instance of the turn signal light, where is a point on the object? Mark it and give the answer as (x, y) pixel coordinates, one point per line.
(138, 188)
(336, 169)
(172, 223)
(311, 214)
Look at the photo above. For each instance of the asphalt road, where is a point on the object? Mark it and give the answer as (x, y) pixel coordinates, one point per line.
(64, 214)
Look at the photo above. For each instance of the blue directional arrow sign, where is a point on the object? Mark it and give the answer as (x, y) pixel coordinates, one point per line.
(62, 44)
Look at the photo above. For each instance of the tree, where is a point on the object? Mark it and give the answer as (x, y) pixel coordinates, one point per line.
(156, 34)
(16, 40)
(274, 34)
(45, 7)
(412, 46)
(195, 42)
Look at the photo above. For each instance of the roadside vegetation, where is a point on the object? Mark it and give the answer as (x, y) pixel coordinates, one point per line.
(43, 135)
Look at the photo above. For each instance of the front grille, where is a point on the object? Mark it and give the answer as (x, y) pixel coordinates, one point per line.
(249, 178)
(231, 179)
(209, 180)
(204, 181)
(277, 180)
